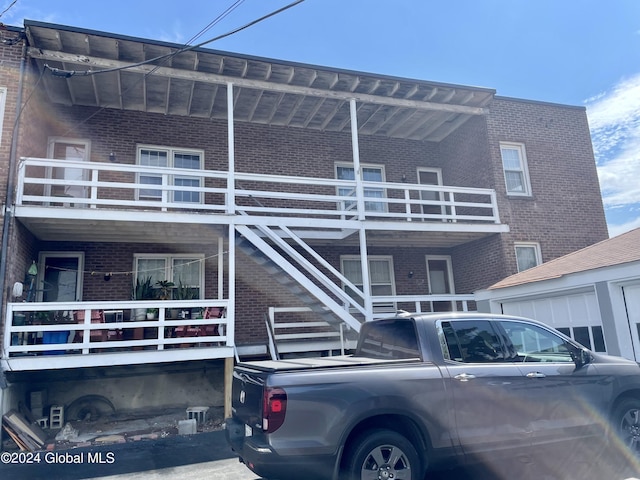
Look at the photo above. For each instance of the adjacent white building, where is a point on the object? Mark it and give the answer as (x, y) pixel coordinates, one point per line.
(592, 295)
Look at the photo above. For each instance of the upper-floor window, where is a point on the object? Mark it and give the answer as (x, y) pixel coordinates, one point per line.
(527, 255)
(516, 172)
(164, 157)
(370, 173)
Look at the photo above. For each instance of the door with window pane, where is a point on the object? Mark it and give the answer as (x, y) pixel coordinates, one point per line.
(70, 150)
(440, 281)
(431, 176)
(380, 279)
(60, 277)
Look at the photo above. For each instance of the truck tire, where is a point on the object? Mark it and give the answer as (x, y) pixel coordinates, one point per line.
(382, 454)
(626, 423)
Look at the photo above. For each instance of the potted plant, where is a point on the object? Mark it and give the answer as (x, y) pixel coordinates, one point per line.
(152, 313)
(142, 290)
(165, 288)
(185, 292)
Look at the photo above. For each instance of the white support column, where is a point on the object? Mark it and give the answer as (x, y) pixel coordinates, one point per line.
(231, 307)
(221, 268)
(231, 202)
(356, 159)
(366, 284)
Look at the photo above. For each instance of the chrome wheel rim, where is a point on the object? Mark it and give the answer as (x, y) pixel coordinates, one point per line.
(630, 429)
(386, 462)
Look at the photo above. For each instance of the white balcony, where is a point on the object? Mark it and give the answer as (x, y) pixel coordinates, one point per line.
(111, 192)
(56, 335)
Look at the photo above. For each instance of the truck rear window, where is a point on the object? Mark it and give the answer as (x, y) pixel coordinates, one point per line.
(389, 339)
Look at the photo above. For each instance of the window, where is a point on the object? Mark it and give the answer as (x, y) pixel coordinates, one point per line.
(380, 279)
(389, 339)
(594, 342)
(162, 157)
(470, 341)
(527, 255)
(536, 344)
(514, 164)
(370, 173)
(182, 270)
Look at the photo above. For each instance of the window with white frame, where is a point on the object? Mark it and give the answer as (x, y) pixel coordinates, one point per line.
(527, 255)
(184, 271)
(163, 157)
(370, 173)
(516, 172)
(380, 278)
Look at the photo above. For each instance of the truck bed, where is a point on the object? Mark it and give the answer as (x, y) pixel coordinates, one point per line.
(271, 366)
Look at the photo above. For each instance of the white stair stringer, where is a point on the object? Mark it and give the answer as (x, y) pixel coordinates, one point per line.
(304, 288)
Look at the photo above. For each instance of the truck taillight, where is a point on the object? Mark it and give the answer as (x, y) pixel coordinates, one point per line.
(274, 408)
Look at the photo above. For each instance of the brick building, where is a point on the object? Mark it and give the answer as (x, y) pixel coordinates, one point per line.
(260, 191)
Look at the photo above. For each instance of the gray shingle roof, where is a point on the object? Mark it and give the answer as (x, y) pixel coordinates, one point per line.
(621, 249)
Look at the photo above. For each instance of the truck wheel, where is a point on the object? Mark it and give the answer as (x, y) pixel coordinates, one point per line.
(626, 422)
(382, 454)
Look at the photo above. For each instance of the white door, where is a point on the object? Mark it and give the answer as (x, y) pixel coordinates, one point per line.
(60, 277)
(72, 150)
(440, 281)
(631, 295)
(431, 176)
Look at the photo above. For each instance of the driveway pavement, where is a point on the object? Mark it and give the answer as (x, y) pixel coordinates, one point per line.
(206, 455)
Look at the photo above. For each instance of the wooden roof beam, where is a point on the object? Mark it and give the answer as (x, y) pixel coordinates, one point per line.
(99, 64)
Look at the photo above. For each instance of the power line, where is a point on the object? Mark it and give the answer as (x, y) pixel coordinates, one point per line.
(8, 8)
(85, 73)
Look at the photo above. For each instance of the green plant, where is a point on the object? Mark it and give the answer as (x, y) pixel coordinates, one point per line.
(185, 292)
(143, 289)
(165, 287)
(53, 317)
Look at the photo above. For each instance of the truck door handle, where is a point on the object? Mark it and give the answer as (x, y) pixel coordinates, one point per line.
(535, 375)
(464, 377)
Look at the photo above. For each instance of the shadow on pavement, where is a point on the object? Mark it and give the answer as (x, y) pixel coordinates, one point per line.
(122, 458)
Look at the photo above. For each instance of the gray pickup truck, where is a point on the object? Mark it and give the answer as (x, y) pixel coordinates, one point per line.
(426, 389)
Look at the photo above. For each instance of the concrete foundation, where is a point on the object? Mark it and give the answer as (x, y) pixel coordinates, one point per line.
(127, 388)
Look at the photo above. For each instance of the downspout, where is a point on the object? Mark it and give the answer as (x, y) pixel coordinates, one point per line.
(8, 212)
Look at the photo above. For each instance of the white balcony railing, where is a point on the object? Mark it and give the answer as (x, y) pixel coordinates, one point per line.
(43, 182)
(83, 328)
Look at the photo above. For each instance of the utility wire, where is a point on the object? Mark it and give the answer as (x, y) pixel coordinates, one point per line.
(84, 73)
(8, 8)
(215, 21)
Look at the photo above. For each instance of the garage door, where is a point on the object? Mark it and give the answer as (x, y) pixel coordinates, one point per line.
(632, 304)
(577, 316)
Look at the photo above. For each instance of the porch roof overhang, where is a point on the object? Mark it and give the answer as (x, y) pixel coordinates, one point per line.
(90, 225)
(97, 69)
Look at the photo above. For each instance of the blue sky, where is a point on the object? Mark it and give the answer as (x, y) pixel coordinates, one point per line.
(577, 52)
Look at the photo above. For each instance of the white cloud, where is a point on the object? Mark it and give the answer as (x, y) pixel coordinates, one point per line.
(617, 229)
(614, 118)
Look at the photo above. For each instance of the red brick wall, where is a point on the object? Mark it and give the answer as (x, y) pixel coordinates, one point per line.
(564, 214)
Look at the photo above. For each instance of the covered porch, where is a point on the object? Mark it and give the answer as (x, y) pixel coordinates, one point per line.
(55, 335)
